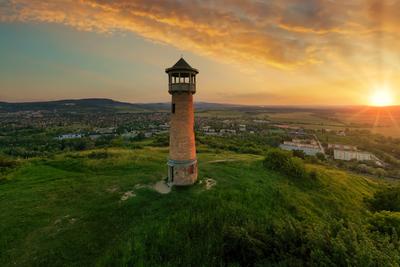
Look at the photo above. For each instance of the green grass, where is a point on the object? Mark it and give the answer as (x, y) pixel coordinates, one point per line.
(67, 211)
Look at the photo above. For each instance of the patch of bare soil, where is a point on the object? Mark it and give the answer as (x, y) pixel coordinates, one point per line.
(128, 195)
(209, 183)
(139, 186)
(112, 189)
(66, 218)
(162, 187)
(222, 160)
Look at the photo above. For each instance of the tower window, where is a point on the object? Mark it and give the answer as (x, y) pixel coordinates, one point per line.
(173, 108)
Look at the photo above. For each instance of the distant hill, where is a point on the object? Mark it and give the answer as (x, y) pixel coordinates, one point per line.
(109, 105)
(99, 104)
(92, 104)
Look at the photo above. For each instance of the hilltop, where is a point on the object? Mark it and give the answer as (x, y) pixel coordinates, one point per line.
(97, 207)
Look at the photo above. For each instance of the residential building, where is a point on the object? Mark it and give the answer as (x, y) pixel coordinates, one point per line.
(309, 147)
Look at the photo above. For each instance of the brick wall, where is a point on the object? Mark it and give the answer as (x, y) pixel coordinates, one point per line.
(182, 140)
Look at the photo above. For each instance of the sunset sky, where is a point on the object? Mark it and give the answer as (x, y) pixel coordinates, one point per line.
(301, 52)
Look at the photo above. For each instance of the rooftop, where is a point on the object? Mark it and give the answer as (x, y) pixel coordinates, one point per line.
(181, 65)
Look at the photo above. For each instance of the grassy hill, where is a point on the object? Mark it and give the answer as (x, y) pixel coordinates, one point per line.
(97, 208)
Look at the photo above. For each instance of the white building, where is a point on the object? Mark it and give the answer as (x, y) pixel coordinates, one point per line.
(69, 136)
(340, 154)
(260, 121)
(206, 128)
(227, 131)
(342, 147)
(164, 126)
(109, 130)
(348, 152)
(311, 148)
(131, 134)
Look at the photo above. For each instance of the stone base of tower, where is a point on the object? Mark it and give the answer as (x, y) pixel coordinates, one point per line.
(182, 172)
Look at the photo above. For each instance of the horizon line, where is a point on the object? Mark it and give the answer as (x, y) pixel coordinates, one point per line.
(205, 102)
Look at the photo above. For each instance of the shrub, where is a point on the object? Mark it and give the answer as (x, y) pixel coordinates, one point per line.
(276, 159)
(312, 160)
(313, 175)
(251, 150)
(320, 156)
(386, 222)
(242, 247)
(283, 162)
(299, 154)
(380, 172)
(136, 146)
(362, 168)
(387, 199)
(161, 140)
(98, 155)
(77, 144)
(6, 162)
(295, 243)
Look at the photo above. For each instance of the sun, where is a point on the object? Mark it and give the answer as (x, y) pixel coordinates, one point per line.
(381, 97)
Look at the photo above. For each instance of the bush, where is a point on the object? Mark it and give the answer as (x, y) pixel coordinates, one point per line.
(251, 150)
(386, 222)
(242, 247)
(283, 162)
(320, 156)
(77, 144)
(98, 155)
(379, 172)
(136, 146)
(299, 154)
(161, 140)
(313, 175)
(6, 162)
(387, 199)
(295, 243)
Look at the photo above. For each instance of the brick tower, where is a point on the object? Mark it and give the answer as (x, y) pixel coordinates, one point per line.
(182, 162)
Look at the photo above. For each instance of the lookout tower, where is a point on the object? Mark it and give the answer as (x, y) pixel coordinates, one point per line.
(182, 162)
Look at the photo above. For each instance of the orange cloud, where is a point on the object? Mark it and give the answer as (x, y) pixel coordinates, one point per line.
(284, 34)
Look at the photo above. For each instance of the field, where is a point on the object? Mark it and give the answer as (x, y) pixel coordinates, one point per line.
(94, 208)
(382, 121)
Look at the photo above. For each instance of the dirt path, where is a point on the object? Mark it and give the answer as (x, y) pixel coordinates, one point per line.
(223, 160)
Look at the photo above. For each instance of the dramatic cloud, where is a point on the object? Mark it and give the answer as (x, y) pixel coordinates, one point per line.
(284, 34)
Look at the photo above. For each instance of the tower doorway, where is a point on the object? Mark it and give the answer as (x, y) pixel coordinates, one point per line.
(171, 174)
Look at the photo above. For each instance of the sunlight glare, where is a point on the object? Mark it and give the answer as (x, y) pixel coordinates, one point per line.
(381, 97)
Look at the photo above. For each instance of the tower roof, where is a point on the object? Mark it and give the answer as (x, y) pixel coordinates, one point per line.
(181, 65)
